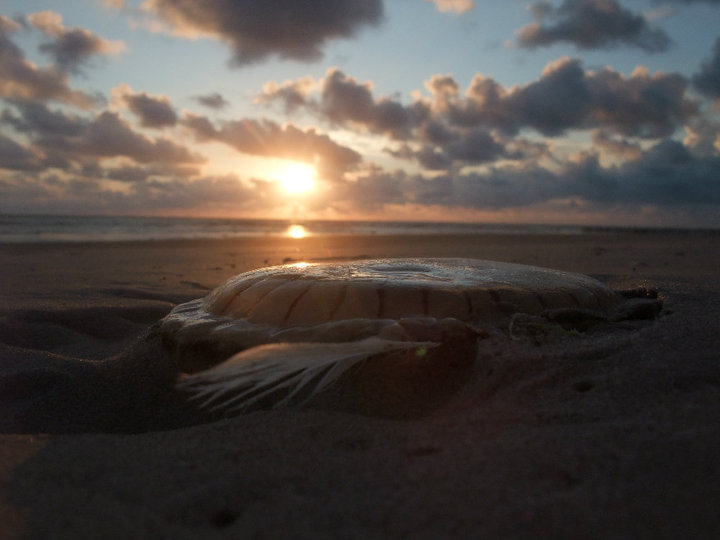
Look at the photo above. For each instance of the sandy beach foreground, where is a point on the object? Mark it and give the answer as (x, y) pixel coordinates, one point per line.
(611, 437)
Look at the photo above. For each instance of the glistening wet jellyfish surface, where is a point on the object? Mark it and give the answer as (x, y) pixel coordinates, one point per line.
(308, 324)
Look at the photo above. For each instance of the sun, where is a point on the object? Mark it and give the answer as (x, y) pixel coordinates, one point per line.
(297, 178)
(297, 231)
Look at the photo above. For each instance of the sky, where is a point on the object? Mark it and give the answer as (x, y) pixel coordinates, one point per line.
(600, 112)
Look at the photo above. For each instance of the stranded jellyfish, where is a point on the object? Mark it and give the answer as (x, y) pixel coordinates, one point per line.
(393, 333)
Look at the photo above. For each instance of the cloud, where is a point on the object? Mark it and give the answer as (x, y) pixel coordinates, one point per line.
(292, 94)
(370, 191)
(16, 157)
(256, 30)
(344, 101)
(107, 135)
(71, 47)
(617, 147)
(23, 80)
(69, 139)
(36, 118)
(568, 97)
(458, 149)
(453, 128)
(212, 101)
(565, 97)
(707, 80)
(153, 111)
(266, 138)
(134, 173)
(703, 137)
(114, 4)
(212, 195)
(667, 175)
(590, 24)
(453, 6)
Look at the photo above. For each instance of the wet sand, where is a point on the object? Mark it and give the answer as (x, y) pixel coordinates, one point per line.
(611, 437)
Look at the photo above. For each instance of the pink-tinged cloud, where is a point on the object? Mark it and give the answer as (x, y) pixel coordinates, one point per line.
(23, 80)
(269, 139)
(453, 6)
(70, 48)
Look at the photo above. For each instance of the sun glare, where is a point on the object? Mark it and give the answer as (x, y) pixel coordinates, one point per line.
(297, 178)
(297, 231)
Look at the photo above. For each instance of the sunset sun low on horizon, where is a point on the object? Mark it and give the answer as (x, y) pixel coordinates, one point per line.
(297, 178)
(578, 112)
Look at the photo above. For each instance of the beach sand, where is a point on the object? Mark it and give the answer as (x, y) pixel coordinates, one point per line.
(616, 436)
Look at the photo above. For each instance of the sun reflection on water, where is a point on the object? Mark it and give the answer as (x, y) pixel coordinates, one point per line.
(297, 231)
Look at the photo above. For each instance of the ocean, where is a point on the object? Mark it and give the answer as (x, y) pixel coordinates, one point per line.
(47, 228)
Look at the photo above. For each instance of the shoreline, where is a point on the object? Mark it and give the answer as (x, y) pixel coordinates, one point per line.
(73, 229)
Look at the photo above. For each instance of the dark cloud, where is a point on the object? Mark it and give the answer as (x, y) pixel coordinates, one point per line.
(476, 146)
(216, 195)
(201, 127)
(135, 173)
(590, 24)
(128, 174)
(36, 117)
(560, 99)
(707, 80)
(71, 47)
(266, 138)
(16, 157)
(345, 101)
(454, 128)
(108, 135)
(643, 104)
(568, 97)
(565, 97)
(256, 30)
(703, 137)
(73, 139)
(293, 95)
(153, 111)
(212, 101)
(471, 147)
(667, 175)
(22, 80)
(371, 191)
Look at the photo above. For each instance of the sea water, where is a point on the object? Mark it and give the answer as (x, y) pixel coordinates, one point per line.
(44, 228)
